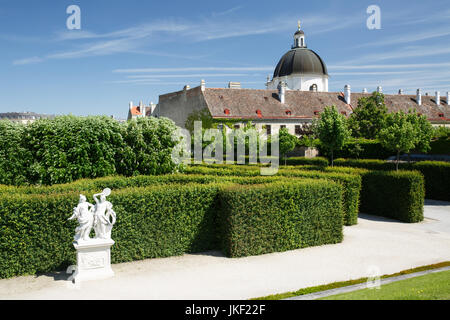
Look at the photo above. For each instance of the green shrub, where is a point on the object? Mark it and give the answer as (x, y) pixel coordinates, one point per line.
(437, 179)
(393, 194)
(161, 221)
(14, 157)
(370, 164)
(68, 148)
(360, 149)
(436, 173)
(351, 182)
(148, 147)
(440, 146)
(299, 161)
(278, 217)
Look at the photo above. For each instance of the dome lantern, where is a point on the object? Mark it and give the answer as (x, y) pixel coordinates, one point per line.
(299, 38)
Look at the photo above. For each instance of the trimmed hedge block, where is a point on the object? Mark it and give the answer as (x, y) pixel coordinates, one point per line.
(278, 217)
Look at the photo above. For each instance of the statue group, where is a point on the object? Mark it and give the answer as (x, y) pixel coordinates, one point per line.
(100, 216)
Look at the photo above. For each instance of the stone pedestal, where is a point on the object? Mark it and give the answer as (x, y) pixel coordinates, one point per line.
(93, 259)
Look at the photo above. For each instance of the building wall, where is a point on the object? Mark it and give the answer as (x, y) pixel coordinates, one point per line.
(179, 105)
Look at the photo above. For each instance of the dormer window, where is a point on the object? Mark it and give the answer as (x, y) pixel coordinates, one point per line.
(344, 113)
(316, 112)
(313, 88)
(288, 112)
(227, 112)
(441, 115)
(258, 112)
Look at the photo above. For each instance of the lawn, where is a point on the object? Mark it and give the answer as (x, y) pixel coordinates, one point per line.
(433, 286)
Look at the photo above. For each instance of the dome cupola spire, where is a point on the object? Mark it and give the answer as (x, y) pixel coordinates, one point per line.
(299, 38)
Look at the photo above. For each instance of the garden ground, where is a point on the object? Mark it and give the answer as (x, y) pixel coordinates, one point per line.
(388, 245)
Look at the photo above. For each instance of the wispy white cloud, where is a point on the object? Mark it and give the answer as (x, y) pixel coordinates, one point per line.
(151, 35)
(27, 61)
(223, 13)
(198, 75)
(151, 70)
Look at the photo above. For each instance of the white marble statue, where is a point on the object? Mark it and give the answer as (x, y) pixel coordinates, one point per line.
(100, 216)
(85, 218)
(104, 215)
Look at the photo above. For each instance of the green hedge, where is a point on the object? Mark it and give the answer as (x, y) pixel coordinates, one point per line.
(68, 148)
(437, 178)
(393, 194)
(165, 216)
(280, 217)
(361, 149)
(350, 182)
(161, 221)
(436, 173)
(299, 161)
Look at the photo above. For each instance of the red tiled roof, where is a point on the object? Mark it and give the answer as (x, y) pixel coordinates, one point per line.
(244, 103)
(135, 111)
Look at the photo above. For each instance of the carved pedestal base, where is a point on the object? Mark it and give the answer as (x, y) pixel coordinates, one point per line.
(93, 259)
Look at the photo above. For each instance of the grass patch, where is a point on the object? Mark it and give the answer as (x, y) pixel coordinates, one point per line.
(433, 286)
(341, 284)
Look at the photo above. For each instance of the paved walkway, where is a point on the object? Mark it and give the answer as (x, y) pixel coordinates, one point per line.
(375, 242)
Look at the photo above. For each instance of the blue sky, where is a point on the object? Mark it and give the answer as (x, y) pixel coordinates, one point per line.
(136, 50)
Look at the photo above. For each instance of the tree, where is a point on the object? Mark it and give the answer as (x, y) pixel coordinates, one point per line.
(369, 116)
(287, 142)
(332, 130)
(424, 131)
(399, 134)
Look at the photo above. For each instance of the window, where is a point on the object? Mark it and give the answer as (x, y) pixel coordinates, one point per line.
(237, 126)
(313, 88)
(344, 113)
(316, 112)
(226, 111)
(282, 126)
(441, 115)
(298, 130)
(268, 129)
(258, 112)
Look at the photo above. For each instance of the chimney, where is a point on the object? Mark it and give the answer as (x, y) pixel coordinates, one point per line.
(202, 85)
(186, 87)
(448, 98)
(364, 90)
(281, 91)
(234, 85)
(419, 97)
(347, 93)
(130, 105)
(400, 92)
(379, 89)
(267, 81)
(438, 98)
(141, 108)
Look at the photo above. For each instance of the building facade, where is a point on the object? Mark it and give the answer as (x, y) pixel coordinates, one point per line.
(296, 94)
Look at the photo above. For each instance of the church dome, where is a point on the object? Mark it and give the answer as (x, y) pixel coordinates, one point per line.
(300, 60)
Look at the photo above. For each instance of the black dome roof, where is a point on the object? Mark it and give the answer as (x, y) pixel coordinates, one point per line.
(300, 60)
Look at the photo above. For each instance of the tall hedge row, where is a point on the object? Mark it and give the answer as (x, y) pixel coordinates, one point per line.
(280, 217)
(436, 173)
(68, 148)
(350, 182)
(165, 216)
